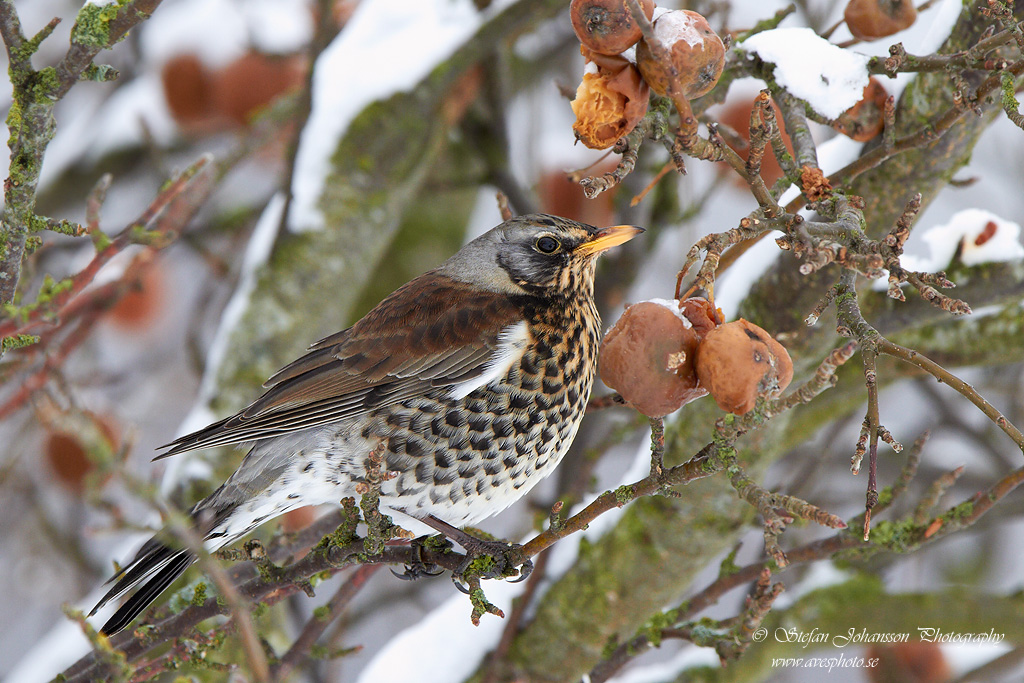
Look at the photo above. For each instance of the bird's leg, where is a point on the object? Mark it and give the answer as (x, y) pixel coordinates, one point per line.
(419, 568)
(484, 559)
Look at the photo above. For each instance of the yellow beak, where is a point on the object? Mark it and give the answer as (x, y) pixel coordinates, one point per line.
(606, 238)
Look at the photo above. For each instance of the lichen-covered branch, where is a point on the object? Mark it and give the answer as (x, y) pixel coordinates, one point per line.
(30, 120)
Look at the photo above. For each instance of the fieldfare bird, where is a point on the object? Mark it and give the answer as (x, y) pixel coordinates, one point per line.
(473, 378)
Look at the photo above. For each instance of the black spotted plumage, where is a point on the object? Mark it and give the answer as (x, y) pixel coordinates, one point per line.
(474, 377)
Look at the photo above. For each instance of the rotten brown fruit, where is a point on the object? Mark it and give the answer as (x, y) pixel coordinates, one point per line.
(739, 361)
(648, 356)
(73, 451)
(865, 120)
(610, 102)
(870, 19)
(696, 53)
(606, 26)
(910, 662)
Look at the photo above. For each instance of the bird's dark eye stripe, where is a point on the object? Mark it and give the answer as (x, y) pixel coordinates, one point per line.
(547, 245)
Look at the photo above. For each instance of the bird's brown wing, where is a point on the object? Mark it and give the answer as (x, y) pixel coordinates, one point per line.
(433, 331)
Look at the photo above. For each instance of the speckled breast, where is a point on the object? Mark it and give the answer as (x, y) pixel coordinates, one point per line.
(466, 459)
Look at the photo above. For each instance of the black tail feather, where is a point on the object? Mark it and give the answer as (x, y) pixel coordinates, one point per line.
(150, 558)
(155, 567)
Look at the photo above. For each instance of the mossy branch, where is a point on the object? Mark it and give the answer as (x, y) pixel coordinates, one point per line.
(31, 121)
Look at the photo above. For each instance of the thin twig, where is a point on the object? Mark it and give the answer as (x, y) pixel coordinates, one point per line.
(321, 619)
(237, 606)
(944, 376)
(193, 181)
(520, 606)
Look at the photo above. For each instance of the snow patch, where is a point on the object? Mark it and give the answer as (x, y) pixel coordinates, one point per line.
(827, 77)
(278, 26)
(445, 639)
(672, 305)
(938, 30)
(52, 653)
(672, 27)
(986, 238)
(978, 235)
(404, 40)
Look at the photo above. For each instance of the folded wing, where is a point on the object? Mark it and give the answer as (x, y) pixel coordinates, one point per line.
(434, 331)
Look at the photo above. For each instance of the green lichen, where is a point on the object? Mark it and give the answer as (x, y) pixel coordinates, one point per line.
(482, 566)
(52, 288)
(44, 85)
(268, 571)
(884, 497)
(323, 652)
(346, 531)
(481, 606)
(100, 240)
(624, 494)
(724, 455)
(100, 73)
(437, 544)
(706, 632)
(13, 122)
(728, 566)
(47, 291)
(610, 646)
(900, 536)
(199, 594)
(63, 226)
(845, 296)
(960, 513)
(654, 627)
(18, 341)
(92, 25)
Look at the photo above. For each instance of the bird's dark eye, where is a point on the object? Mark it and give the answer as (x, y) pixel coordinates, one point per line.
(548, 245)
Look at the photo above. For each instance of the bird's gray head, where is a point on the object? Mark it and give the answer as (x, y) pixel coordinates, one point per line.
(535, 254)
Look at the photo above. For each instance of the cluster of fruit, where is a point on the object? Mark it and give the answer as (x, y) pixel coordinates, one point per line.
(613, 97)
(662, 354)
